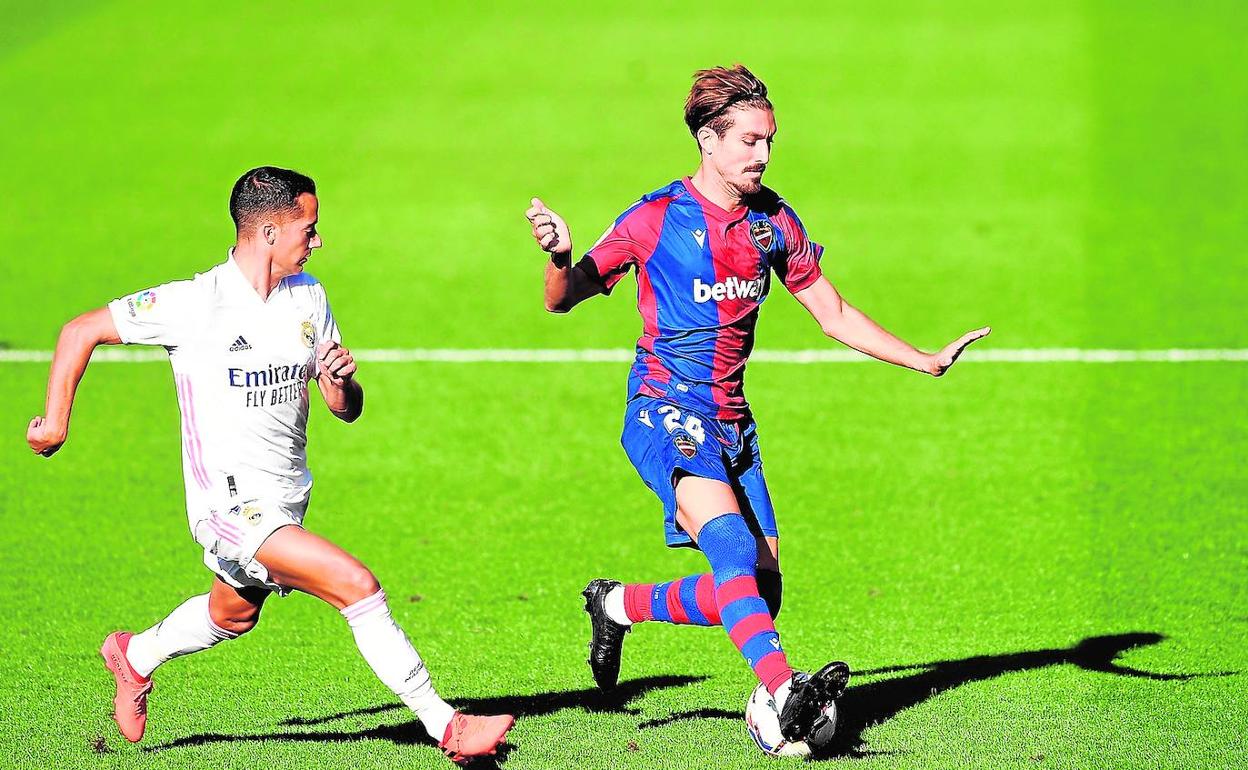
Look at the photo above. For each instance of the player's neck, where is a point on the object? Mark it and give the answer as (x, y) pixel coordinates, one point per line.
(711, 185)
(257, 268)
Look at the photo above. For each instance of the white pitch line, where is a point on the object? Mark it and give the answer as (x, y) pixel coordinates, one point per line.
(619, 355)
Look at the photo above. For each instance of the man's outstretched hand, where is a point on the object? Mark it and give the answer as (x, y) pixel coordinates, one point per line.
(939, 363)
(43, 437)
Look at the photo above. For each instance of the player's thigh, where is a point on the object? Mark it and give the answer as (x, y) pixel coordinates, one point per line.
(307, 562)
(698, 500)
(235, 609)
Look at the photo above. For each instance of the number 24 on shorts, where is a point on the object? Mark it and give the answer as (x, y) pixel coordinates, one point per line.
(671, 421)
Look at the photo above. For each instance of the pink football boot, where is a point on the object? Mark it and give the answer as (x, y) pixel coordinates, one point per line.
(469, 736)
(130, 705)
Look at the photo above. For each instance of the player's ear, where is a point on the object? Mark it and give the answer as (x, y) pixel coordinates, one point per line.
(706, 139)
(268, 231)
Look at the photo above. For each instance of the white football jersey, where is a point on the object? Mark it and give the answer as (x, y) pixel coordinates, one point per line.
(242, 366)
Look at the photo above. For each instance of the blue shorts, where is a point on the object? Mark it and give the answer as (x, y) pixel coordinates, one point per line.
(665, 441)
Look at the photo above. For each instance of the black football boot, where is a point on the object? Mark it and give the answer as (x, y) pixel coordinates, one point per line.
(809, 696)
(607, 637)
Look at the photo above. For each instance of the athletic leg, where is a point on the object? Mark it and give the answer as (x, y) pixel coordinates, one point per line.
(690, 600)
(732, 552)
(708, 510)
(671, 472)
(306, 562)
(195, 625)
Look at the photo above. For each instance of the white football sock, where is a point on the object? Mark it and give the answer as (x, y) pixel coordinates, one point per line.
(397, 664)
(782, 695)
(187, 629)
(613, 603)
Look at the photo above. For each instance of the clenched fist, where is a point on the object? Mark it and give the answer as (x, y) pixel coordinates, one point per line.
(43, 437)
(549, 229)
(335, 362)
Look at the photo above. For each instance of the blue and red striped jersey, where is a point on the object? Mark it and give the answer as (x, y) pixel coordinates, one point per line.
(702, 273)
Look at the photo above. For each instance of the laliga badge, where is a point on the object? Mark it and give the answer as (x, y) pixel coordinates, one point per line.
(686, 446)
(309, 334)
(763, 234)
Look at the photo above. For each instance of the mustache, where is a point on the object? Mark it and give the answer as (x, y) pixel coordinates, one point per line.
(755, 168)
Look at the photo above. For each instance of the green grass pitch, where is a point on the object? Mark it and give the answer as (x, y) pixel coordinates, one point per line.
(1031, 565)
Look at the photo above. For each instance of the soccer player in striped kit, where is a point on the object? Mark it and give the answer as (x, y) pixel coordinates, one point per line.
(245, 338)
(704, 249)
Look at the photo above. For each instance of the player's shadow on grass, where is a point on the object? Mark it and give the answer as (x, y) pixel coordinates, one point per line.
(869, 704)
(866, 705)
(409, 732)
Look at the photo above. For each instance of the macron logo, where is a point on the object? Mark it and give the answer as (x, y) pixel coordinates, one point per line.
(733, 288)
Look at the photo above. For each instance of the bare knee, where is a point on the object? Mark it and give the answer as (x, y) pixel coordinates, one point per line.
(236, 622)
(355, 583)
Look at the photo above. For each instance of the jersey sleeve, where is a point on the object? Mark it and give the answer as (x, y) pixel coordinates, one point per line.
(625, 244)
(161, 315)
(326, 325)
(798, 265)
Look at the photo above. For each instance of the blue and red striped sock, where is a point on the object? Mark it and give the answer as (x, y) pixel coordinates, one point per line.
(728, 596)
(730, 548)
(686, 601)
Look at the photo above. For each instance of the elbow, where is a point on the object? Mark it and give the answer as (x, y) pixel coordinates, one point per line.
(88, 330)
(557, 306)
(79, 333)
(834, 324)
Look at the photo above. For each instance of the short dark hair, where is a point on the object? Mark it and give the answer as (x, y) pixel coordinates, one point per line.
(718, 90)
(266, 190)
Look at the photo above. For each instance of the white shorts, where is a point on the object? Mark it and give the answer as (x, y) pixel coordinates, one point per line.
(232, 535)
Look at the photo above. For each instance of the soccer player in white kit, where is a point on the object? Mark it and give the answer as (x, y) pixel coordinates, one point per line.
(244, 340)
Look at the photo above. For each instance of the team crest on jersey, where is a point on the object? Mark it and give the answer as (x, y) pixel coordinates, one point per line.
(252, 514)
(763, 234)
(309, 334)
(686, 446)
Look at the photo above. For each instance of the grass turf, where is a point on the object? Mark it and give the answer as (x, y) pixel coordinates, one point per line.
(1069, 172)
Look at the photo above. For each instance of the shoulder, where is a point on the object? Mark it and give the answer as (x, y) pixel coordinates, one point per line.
(199, 285)
(304, 282)
(307, 291)
(646, 215)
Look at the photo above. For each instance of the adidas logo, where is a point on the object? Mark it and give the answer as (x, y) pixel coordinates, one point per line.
(239, 344)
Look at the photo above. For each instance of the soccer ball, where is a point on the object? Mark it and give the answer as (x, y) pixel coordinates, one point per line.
(762, 722)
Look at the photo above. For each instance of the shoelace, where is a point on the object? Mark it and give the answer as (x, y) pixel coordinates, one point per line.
(140, 699)
(456, 739)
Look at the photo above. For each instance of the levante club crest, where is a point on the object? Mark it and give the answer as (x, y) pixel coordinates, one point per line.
(763, 234)
(686, 446)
